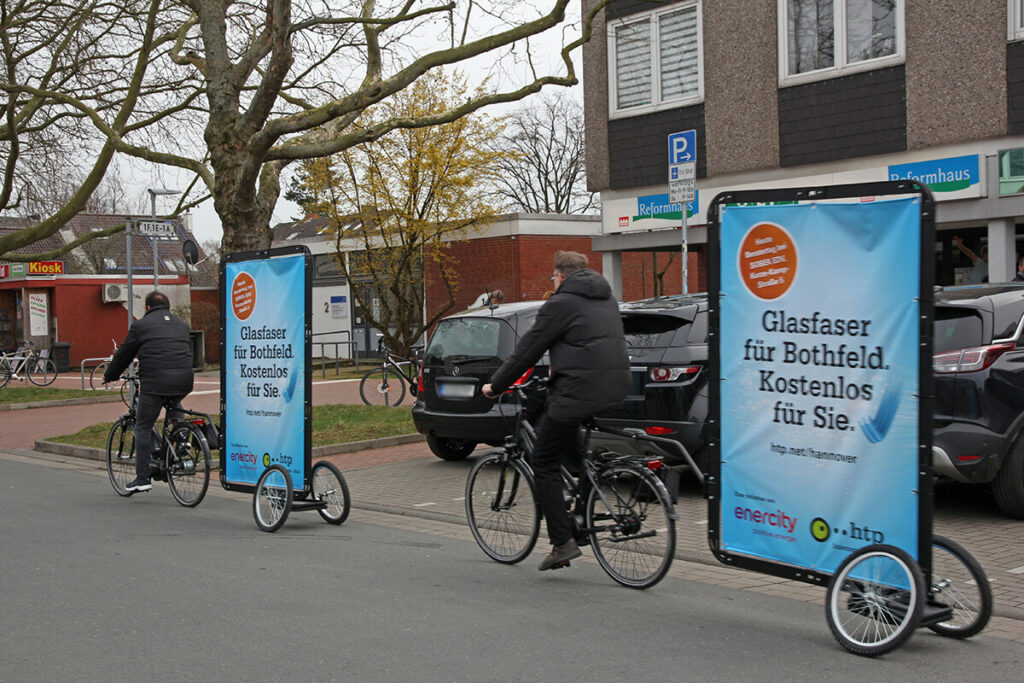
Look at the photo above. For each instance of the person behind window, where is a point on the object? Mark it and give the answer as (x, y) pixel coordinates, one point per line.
(161, 341)
(979, 271)
(1019, 277)
(589, 370)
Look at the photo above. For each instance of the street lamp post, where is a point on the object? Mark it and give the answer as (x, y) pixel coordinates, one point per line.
(153, 192)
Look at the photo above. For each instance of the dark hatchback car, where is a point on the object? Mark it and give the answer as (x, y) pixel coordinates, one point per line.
(978, 371)
(667, 341)
(462, 354)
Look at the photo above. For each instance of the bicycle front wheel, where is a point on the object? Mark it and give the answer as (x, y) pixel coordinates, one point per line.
(5, 373)
(382, 387)
(502, 507)
(329, 487)
(631, 529)
(959, 581)
(121, 456)
(874, 600)
(188, 473)
(96, 378)
(42, 371)
(272, 499)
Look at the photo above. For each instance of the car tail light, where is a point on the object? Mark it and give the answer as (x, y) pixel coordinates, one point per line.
(673, 374)
(968, 360)
(967, 458)
(658, 430)
(419, 382)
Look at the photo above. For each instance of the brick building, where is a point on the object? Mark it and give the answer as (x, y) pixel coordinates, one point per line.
(792, 93)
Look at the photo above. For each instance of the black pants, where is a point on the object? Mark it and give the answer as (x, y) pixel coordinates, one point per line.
(146, 414)
(555, 442)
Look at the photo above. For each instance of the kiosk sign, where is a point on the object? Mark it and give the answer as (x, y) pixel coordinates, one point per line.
(819, 356)
(265, 368)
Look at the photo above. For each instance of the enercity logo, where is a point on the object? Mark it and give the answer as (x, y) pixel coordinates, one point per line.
(777, 518)
(243, 457)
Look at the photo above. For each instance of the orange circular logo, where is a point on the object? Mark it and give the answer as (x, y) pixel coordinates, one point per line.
(243, 295)
(767, 261)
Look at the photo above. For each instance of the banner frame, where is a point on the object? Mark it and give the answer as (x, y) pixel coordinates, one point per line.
(925, 479)
(263, 255)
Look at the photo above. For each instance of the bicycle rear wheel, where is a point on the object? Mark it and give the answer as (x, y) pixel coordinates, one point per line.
(631, 530)
(874, 600)
(329, 487)
(382, 387)
(959, 581)
(121, 456)
(272, 499)
(96, 378)
(5, 373)
(502, 507)
(41, 371)
(188, 473)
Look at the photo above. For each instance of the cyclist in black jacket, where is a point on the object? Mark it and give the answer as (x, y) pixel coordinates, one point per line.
(162, 342)
(581, 326)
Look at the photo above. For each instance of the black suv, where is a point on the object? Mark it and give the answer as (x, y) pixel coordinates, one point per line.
(667, 338)
(978, 371)
(667, 341)
(462, 354)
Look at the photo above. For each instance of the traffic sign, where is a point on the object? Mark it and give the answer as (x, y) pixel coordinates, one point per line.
(682, 179)
(156, 228)
(682, 147)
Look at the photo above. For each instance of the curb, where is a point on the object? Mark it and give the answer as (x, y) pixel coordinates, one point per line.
(100, 454)
(85, 400)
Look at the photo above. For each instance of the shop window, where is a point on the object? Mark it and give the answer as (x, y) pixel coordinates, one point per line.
(655, 61)
(1011, 171)
(821, 39)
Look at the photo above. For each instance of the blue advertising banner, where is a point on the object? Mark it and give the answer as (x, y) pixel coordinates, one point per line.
(264, 368)
(819, 362)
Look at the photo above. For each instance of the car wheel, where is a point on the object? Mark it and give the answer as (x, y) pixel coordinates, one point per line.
(1008, 486)
(450, 449)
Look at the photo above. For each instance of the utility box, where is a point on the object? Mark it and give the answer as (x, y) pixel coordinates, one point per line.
(61, 354)
(198, 350)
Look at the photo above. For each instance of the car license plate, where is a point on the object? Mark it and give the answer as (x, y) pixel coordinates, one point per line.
(456, 390)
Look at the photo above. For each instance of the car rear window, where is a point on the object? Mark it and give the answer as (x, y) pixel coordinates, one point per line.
(956, 329)
(470, 338)
(651, 330)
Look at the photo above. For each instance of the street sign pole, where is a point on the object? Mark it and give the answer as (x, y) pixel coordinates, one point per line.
(128, 262)
(682, 178)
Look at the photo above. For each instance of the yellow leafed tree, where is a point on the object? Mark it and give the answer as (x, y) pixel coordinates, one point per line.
(395, 204)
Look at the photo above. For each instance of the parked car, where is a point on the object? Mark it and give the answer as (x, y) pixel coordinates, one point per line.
(978, 371)
(463, 352)
(667, 341)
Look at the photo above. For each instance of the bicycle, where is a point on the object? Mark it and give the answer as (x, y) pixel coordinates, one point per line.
(381, 386)
(617, 502)
(877, 597)
(39, 369)
(181, 449)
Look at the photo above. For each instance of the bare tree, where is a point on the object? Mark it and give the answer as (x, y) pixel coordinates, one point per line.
(241, 89)
(546, 172)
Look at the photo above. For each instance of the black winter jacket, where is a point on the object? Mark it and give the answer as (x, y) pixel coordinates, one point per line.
(162, 342)
(580, 324)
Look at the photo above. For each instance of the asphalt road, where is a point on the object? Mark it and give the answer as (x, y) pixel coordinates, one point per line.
(97, 587)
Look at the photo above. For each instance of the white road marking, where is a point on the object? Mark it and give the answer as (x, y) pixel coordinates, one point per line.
(459, 498)
(701, 522)
(1018, 570)
(423, 505)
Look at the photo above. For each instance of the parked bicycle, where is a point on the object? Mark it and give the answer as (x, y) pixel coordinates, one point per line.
(96, 382)
(39, 369)
(181, 454)
(385, 386)
(617, 503)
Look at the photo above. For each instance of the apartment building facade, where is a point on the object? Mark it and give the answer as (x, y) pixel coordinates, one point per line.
(792, 93)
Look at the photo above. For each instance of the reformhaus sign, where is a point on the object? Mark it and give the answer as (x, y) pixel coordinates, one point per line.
(959, 176)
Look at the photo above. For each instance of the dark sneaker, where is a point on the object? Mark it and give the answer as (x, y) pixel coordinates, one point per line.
(560, 555)
(138, 484)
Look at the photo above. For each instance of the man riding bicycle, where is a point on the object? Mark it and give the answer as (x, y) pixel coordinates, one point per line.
(581, 326)
(162, 342)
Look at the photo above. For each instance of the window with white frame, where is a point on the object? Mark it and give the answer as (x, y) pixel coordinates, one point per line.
(1015, 19)
(826, 38)
(654, 60)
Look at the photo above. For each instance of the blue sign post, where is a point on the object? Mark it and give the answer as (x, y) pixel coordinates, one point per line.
(682, 178)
